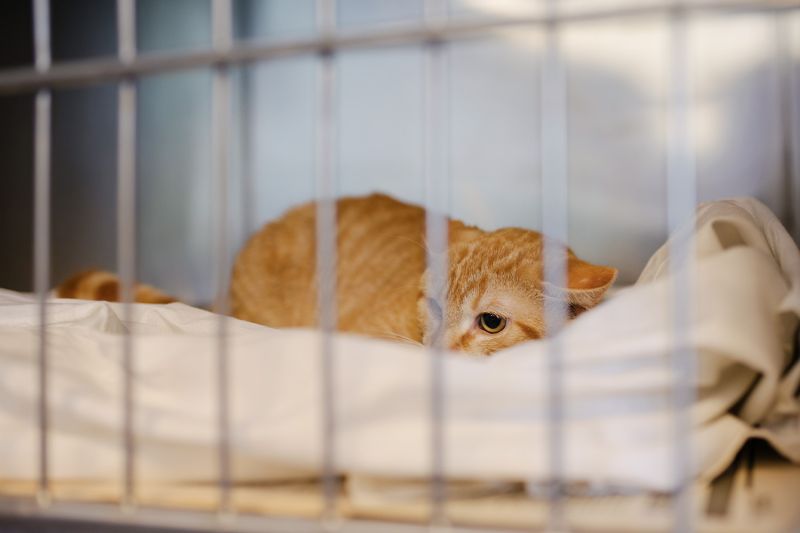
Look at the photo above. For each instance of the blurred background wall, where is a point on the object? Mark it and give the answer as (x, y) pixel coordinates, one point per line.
(617, 95)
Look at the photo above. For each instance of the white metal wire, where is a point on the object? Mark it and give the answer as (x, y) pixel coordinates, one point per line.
(436, 185)
(326, 232)
(126, 236)
(554, 199)
(41, 274)
(681, 203)
(222, 30)
(790, 118)
(91, 72)
(186, 519)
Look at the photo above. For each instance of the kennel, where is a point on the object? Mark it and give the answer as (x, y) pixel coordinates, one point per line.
(226, 500)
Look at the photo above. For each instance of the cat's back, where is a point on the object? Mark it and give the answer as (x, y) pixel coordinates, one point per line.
(380, 258)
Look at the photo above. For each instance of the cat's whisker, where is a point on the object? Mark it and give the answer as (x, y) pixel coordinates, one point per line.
(421, 245)
(388, 335)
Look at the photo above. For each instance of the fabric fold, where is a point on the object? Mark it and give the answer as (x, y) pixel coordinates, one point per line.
(619, 420)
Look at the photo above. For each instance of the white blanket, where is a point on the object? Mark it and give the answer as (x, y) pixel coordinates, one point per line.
(619, 426)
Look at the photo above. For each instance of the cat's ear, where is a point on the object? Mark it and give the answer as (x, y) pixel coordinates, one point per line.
(459, 233)
(461, 238)
(583, 276)
(586, 284)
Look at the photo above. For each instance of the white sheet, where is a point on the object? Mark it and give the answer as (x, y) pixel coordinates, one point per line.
(617, 383)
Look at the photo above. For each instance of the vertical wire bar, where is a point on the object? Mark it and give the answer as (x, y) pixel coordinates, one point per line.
(41, 237)
(222, 29)
(681, 201)
(554, 160)
(246, 152)
(243, 22)
(437, 182)
(326, 231)
(790, 119)
(126, 234)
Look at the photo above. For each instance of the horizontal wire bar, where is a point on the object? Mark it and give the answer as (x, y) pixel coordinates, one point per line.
(201, 521)
(89, 72)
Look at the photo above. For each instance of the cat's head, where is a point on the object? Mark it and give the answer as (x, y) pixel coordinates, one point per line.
(496, 295)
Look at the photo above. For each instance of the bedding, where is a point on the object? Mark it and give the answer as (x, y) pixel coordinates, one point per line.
(619, 426)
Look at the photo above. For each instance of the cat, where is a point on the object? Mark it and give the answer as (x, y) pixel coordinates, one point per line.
(494, 290)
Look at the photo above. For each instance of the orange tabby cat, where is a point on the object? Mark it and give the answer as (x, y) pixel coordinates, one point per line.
(495, 292)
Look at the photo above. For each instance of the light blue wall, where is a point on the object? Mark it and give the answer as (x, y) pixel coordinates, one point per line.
(617, 72)
(174, 156)
(617, 79)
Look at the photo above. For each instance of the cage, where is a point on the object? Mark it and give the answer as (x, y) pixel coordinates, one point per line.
(152, 137)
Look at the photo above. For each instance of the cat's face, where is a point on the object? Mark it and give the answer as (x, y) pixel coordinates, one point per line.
(496, 297)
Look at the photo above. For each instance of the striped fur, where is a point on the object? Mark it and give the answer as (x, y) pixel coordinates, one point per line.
(99, 285)
(381, 277)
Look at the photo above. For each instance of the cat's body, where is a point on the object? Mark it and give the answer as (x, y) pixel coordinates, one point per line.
(494, 278)
(380, 260)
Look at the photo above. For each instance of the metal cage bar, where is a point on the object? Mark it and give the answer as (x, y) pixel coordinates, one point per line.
(76, 517)
(126, 237)
(326, 232)
(437, 193)
(681, 202)
(89, 72)
(790, 118)
(554, 203)
(41, 273)
(222, 39)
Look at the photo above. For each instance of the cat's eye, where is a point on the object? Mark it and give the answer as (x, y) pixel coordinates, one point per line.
(491, 323)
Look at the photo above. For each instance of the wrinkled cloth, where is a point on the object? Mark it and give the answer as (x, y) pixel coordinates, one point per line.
(621, 379)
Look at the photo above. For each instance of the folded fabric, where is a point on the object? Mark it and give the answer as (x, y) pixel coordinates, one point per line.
(618, 381)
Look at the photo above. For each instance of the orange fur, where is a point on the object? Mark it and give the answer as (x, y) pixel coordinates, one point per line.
(381, 277)
(99, 285)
